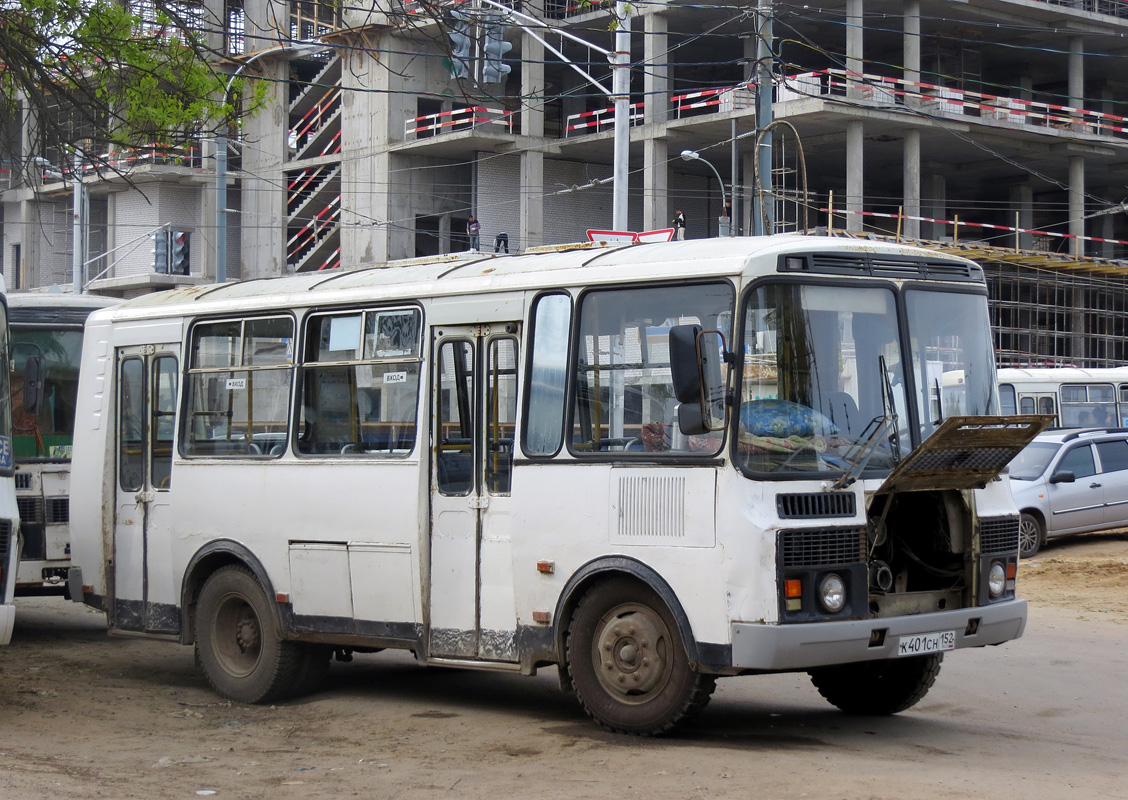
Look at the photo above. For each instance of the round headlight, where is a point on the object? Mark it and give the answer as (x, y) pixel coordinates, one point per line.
(832, 593)
(997, 579)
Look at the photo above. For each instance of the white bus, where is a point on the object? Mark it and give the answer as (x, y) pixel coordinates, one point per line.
(1077, 398)
(649, 465)
(9, 516)
(46, 344)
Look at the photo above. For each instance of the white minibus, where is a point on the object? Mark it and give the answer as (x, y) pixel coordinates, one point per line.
(647, 465)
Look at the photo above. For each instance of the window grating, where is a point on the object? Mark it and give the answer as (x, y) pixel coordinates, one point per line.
(23, 480)
(30, 508)
(998, 535)
(816, 504)
(820, 547)
(58, 509)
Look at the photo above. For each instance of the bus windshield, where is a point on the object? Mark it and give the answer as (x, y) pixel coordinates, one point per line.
(823, 383)
(952, 357)
(5, 395)
(47, 432)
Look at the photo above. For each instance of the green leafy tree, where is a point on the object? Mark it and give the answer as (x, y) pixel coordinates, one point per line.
(112, 74)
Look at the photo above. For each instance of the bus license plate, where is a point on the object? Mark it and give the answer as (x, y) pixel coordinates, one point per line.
(923, 643)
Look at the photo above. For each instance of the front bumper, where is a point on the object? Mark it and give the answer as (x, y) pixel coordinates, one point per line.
(7, 622)
(819, 644)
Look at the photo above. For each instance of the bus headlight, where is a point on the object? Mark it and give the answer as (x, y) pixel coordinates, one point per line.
(832, 593)
(996, 579)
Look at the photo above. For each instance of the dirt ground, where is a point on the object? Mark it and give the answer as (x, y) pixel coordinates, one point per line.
(91, 716)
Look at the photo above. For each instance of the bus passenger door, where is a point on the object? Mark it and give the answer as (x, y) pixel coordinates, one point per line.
(472, 611)
(143, 594)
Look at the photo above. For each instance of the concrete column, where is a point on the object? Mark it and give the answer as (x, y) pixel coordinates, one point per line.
(855, 179)
(1108, 231)
(656, 75)
(532, 200)
(854, 28)
(655, 184)
(1076, 71)
(1077, 203)
(444, 233)
(264, 203)
(1022, 197)
(910, 189)
(748, 204)
(911, 46)
(532, 86)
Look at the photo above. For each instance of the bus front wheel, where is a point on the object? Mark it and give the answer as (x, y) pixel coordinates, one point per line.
(877, 688)
(237, 646)
(627, 662)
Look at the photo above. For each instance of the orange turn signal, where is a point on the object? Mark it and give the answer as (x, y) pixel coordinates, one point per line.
(1012, 569)
(793, 588)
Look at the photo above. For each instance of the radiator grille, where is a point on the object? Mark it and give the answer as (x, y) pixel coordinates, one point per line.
(31, 508)
(998, 535)
(58, 510)
(5, 548)
(817, 547)
(652, 507)
(816, 504)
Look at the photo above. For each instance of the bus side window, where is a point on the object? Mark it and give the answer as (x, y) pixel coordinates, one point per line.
(1007, 400)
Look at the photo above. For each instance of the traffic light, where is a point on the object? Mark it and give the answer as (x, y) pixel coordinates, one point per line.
(460, 42)
(178, 253)
(160, 251)
(494, 48)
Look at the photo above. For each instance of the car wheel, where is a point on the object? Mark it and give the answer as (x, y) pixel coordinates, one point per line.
(1031, 535)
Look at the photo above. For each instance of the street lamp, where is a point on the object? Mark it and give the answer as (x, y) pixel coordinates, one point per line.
(693, 155)
(221, 156)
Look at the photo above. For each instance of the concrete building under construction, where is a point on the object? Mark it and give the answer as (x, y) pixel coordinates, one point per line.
(997, 129)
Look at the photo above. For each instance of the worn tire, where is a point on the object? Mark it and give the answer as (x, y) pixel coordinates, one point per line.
(314, 667)
(236, 642)
(627, 662)
(1031, 535)
(878, 688)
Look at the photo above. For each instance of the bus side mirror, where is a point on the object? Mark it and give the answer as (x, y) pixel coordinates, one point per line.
(699, 385)
(35, 375)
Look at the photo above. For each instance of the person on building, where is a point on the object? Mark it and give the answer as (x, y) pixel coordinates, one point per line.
(679, 225)
(474, 231)
(501, 243)
(724, 222)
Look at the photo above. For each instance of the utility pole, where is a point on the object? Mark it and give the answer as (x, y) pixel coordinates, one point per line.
(764, 207)
(78, 259)
(621, 89)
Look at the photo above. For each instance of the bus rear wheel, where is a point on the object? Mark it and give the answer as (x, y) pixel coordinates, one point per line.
(877, 688)
(627, 662)
(236, 643)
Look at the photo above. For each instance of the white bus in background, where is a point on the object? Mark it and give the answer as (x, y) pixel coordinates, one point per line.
(9, 516)
(648, 465)
(1077, 398)
(46, 344)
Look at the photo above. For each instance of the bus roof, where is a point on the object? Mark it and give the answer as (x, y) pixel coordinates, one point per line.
(474, 273)
(58, 308)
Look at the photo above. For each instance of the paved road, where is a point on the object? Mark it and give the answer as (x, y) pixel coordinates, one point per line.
(82, 714)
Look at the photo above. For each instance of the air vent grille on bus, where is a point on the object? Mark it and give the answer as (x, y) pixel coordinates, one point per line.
(23, 480)
(31, 508)
(819, 547)
(810, 505)
(998, 535)
(58, 510)
(880, 266)
(5, 545)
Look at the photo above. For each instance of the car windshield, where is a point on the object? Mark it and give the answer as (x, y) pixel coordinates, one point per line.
(823, 382)
(1032, 461)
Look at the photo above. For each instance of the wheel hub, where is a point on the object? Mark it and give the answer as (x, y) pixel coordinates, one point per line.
(630, 660)
(247, 634)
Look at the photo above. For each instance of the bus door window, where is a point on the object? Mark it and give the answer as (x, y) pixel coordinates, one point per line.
(131, 426)
(501, 413)
(165, 377)
(455, 436)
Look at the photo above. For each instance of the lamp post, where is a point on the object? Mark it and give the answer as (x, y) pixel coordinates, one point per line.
(693, 155)
(221, 157)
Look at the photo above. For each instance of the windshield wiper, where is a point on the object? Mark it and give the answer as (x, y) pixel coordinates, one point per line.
(880, 425)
